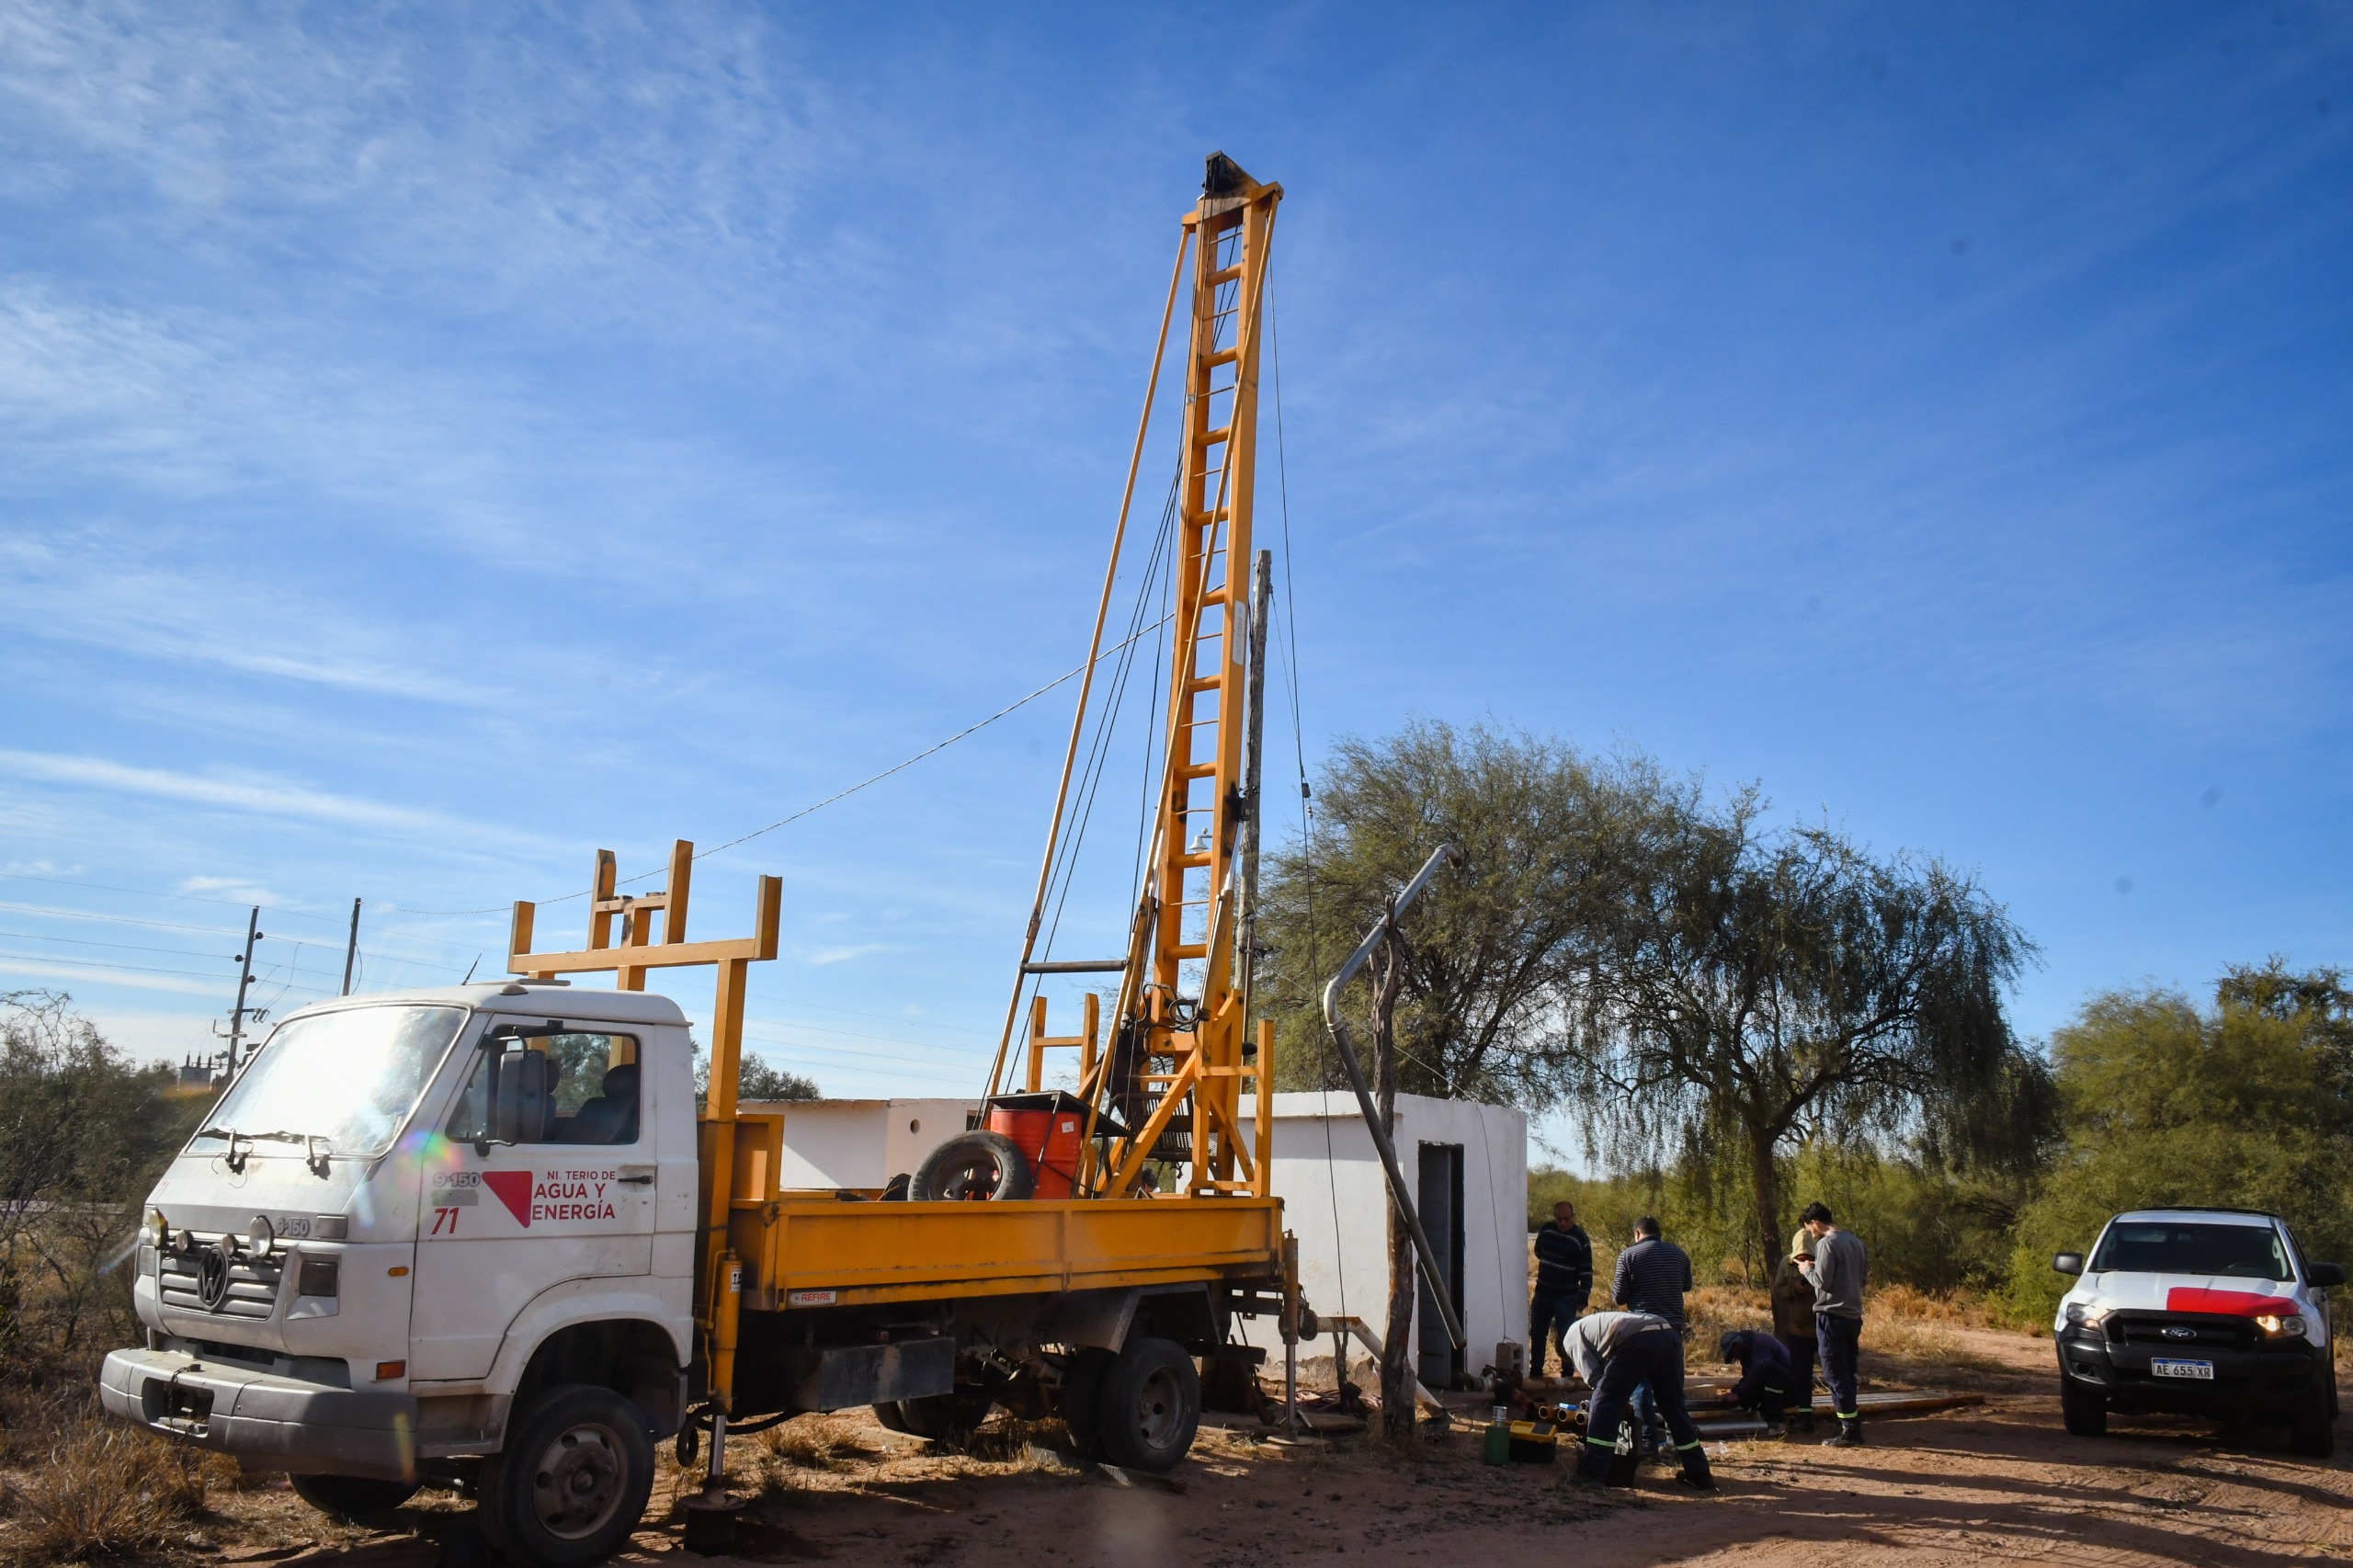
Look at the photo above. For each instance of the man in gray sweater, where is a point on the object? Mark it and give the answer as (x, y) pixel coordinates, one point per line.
(1837, 1271)
(1617, 1353)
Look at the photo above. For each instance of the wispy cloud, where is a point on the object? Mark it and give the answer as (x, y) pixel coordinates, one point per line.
(251, 793)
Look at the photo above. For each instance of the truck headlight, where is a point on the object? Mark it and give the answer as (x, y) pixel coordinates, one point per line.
(2290, 1326)
(159, 1230)
(2081, 1316)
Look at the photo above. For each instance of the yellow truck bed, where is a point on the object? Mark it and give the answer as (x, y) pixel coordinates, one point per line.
(804, 1251)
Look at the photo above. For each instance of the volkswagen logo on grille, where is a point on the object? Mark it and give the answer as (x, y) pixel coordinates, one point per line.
(2177, 1332)
(212, 1278)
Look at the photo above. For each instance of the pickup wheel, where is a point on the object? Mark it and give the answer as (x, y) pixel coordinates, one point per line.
(2085, 1412)
(1081, 1399)
(349, 1496)
(571, 1481)
(2312, 1433)
(973, 1167)
(1150, 1405)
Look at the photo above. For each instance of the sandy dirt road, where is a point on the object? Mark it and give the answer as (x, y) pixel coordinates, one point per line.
(2002, 1482)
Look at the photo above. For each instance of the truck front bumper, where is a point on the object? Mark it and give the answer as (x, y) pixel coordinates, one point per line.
(267, 1421)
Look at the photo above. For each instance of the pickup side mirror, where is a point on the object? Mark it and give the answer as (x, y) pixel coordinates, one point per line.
(2323, 1276)
(2068, 1262)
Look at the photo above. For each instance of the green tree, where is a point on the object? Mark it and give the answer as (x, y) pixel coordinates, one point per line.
(1479, 963)
(1755, 991)
(756, 1079)
(2244, 1104)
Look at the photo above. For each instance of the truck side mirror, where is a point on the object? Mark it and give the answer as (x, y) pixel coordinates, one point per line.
(2324, 1275)
(518, 1097)
(2068, 1262)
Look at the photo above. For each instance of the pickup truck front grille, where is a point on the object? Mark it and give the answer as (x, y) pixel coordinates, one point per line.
(2183, 1331)
(249, 1290)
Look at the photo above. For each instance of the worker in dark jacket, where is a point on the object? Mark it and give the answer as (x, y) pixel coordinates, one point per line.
(1651, 1277)
(1793, 1327)
(1617, 1353)
(1765, 1375)
(1564, 1283)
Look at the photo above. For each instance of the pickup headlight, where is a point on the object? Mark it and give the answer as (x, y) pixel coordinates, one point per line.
(2081, 1316)
(2290, 1326)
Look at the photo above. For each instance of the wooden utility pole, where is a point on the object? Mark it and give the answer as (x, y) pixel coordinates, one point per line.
(245, 978)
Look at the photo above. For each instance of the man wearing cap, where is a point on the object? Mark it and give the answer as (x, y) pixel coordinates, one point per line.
(1617, 1353)
(1837, 1271)
(1793, 1327)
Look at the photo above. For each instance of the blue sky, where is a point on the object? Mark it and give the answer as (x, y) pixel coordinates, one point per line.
(437, 442)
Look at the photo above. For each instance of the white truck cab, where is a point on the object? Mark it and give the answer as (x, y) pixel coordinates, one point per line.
(415, 1214)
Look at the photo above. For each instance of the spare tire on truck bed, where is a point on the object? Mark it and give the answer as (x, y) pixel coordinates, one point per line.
(973, 1167)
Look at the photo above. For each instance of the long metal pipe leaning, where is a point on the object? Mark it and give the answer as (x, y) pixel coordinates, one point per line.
(1445, 854)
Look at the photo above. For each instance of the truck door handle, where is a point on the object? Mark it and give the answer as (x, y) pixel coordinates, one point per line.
(636, 1181)
(636, 1175)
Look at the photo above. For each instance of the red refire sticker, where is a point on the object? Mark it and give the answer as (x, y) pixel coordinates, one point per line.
(514, 1189)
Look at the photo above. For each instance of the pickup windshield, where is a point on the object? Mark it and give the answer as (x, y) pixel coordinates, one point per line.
(2175, 1246)
(350, 1078)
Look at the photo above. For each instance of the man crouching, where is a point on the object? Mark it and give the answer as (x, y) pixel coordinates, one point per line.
(1616, 1353)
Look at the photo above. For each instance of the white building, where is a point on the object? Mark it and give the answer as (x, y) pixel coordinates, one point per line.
(1468, 1164)
(860, 1143)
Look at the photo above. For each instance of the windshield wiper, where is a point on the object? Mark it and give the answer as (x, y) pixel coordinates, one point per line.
(236, 1162)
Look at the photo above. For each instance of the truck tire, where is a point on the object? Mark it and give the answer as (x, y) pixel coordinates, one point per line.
(2313, 1432)
(1150, 1405)
(2085, 1412)
(1081, 1399)
(350, 1497)
(571, 1481)
(972, 1167)
(947, 1417)
(888, 1414)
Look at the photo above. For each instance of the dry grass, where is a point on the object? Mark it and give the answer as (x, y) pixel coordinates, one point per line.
(106, 1490)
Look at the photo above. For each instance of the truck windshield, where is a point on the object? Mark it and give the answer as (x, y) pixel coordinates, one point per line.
(2174, 1246)
(350, 1078)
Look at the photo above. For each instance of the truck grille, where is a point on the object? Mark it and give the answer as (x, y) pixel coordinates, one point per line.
(240, 1287)
(2184, 1332)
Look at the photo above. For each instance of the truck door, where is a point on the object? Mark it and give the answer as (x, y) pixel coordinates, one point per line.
(545, 1173)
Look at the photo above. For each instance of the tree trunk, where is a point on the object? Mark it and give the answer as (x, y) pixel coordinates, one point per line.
(1397, 1337)
(1765, 1185)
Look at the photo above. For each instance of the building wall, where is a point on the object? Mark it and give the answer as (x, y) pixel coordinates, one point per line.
(1336, 1201)
(839, 1143)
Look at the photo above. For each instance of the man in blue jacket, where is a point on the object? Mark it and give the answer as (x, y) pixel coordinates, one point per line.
(1564, 1283)
(1765, 1375)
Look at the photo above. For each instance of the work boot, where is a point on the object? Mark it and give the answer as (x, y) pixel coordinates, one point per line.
(1593, 1465)
(1848, 1436)
(1802, 1421)
(1774, 1429)
(1696, 1474)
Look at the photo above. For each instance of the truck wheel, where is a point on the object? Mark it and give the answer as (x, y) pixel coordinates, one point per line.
(2312, 1434)
(1081, 1399)
(2085, 1412)
(1151, 1405)
(972, 1167)
(888, 1414)
(947, 1417)
(350, 1497)
(571, 1481)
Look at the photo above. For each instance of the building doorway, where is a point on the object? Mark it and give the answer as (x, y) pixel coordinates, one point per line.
(1440, 1198)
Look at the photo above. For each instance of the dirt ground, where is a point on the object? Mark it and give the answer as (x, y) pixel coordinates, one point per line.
(1998, 1482)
